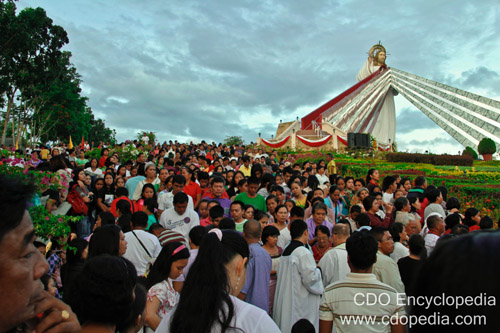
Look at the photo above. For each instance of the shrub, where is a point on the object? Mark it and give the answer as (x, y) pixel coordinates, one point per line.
(430, 159)
(94, 153)
(486, 146)
(453, 160)
(471, 152)
(409, 158)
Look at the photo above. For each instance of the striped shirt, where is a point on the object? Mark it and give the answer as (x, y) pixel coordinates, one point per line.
(345, 303)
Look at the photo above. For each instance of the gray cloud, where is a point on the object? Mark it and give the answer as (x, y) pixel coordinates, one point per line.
(410, 119)
(432, 143)
(480, 77)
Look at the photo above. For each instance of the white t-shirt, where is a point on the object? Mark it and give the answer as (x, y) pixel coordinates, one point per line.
(96, 172)
(387, 197)
(247, 318)
(322, 179)
(181, 223)
(166, 201)
(430, 242)
(136, 253)
(400, 251)
(284, 238)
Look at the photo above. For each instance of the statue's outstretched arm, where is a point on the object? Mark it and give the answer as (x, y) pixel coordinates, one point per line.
(370, 54)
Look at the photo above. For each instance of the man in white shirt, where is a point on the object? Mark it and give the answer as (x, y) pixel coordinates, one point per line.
(225, 164)
(385, 269)
(165, 199)
(179, 217)
(435, 199)
(389, 187)
(436, 227)
(142, 246)
(334, 263)
(322, 178)
(232, 164)
(347, 300)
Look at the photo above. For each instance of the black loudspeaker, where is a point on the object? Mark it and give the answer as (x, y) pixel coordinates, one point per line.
(358, 140)
(363, 140)
(351, 140)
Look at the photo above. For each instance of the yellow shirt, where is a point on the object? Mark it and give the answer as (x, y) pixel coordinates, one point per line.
(246, 171)
(300, 203)
(44, 154)
(331, 167)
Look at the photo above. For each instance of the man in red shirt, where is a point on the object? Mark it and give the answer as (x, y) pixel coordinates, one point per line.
(218, 193)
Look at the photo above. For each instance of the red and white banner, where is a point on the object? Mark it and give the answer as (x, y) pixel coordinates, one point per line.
(342, 140)
(314, 143)
(383, 147)
(276, 144)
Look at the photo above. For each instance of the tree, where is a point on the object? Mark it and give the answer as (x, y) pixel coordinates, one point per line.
(233, 140)
(486, 146)
(30, 47)
(8, 47)
(39, 87)
(100, 133)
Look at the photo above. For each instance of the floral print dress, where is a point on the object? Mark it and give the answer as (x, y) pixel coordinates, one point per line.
(166, 294)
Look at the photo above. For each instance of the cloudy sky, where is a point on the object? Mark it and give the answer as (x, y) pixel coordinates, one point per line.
(193, 70)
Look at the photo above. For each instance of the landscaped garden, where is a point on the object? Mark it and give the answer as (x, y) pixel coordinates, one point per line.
(477, 185)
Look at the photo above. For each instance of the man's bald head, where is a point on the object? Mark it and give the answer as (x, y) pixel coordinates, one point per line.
(341, 229)
(251, 230)
(341, 232)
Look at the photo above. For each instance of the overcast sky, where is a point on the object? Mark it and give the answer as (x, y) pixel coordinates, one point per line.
(193, 70)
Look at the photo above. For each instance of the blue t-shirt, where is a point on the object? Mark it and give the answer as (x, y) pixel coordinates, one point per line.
(256, 285)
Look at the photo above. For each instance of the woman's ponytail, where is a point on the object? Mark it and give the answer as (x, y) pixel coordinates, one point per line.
(206, 290)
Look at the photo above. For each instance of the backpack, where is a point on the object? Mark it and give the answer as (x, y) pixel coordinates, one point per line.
(77, 204)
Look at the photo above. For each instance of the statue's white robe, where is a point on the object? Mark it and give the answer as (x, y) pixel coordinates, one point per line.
(298, 290)
(385, 128)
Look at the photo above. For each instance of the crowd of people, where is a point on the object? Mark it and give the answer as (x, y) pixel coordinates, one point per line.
(199, 238)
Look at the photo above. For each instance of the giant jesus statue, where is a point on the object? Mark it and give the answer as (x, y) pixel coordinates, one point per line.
(385, 128)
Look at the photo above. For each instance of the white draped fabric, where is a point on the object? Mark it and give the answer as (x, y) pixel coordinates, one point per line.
(334, 265)
(298, 290)
(385, 128)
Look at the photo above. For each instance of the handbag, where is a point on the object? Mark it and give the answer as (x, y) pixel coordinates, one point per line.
(77, 204)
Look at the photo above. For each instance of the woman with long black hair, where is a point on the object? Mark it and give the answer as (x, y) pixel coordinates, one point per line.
(106, 195)
(124, 212)
(208, 302)
(233, 185)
